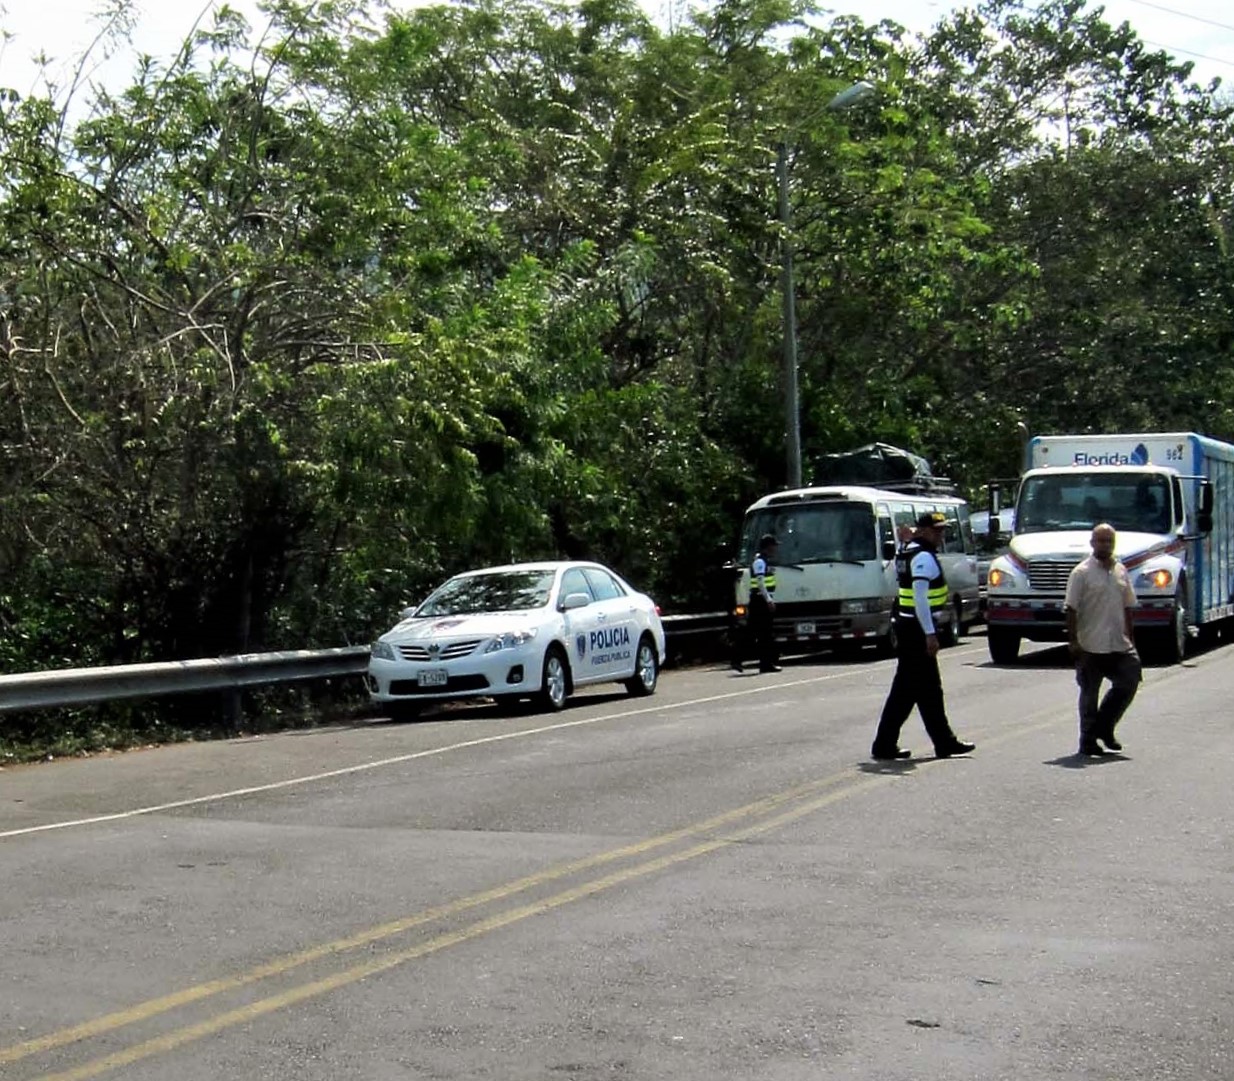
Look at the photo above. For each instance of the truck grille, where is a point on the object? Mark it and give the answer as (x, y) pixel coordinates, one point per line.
(1050, 575)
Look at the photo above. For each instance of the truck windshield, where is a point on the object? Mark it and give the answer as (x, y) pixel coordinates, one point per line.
(1136, 502)
(836, 532)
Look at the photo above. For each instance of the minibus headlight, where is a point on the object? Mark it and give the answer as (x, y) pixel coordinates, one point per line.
(859, 605)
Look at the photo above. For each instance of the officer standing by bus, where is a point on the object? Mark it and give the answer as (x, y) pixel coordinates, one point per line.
(763, 604)
(917, 682)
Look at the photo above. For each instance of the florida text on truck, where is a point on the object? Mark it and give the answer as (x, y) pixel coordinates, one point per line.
(835, 575)
(1169, 496)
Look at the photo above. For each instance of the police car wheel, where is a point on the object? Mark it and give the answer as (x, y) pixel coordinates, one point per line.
(554, 681)
(646, 669)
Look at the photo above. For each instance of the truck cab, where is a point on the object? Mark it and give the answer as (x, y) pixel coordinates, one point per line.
(1159, 502)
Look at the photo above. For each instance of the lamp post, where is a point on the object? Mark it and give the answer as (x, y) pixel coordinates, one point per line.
(792, 411)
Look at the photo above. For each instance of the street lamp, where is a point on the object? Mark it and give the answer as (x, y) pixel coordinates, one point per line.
(845, 99)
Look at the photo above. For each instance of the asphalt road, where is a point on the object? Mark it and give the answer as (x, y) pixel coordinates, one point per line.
(714, 883)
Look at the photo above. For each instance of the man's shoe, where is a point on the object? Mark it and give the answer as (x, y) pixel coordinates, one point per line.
(879, 755)
(1110, 742)
(771, 668)
(736, 666)
(1091, 749)
(952, 749)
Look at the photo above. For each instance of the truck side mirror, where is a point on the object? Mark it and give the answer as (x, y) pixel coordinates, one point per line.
(889, 549)
(1204, 512)
(1206, 498)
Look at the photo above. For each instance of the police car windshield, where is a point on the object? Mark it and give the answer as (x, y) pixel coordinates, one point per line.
(501, 591)
(833, 532)
(1135, 502)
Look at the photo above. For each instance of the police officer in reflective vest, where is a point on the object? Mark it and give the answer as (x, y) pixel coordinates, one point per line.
(917, 682)
(763, 604)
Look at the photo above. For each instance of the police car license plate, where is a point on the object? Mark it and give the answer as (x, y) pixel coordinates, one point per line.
(804, 629)
(432, 677)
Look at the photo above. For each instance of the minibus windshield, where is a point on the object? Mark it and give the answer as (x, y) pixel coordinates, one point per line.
(831, 532)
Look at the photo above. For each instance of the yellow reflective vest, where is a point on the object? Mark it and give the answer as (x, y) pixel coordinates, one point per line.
(907, 603)
(760, 567)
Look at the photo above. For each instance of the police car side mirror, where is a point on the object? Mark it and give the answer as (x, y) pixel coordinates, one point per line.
(407, 613)
(889, 549)
(575, 600)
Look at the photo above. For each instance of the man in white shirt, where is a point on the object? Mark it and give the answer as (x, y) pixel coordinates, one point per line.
(1098, 605)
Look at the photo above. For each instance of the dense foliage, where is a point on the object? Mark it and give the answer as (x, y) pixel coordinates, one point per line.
(301, 322)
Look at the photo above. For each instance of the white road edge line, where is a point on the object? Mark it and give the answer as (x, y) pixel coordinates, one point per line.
(311, 778)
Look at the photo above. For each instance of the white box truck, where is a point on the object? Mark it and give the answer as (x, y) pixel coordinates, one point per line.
(1169, 496)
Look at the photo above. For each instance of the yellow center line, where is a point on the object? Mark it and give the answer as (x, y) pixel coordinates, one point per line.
(153, 1007)
(189, 1033)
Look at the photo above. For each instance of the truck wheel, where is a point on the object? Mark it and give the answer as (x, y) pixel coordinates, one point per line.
(1173, 641)
(1004, 645)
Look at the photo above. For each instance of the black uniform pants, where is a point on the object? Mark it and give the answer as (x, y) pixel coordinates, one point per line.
(917, 683)
(762, 633)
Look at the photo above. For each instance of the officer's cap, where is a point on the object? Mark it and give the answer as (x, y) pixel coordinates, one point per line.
(933, 520)
(767, 540)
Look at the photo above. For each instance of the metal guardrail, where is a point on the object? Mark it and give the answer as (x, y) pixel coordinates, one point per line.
(81, 686)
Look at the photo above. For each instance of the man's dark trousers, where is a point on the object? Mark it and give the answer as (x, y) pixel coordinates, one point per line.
(1124, 672)
(917, 683)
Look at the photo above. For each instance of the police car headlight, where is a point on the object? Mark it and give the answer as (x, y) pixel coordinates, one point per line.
(383, 651)
(510, 640)
(1158, 579)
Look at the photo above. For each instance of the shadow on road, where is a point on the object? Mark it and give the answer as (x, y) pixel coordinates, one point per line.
(901, 765)
(1083, 761)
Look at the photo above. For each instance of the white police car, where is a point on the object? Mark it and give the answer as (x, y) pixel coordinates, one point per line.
(535, 630)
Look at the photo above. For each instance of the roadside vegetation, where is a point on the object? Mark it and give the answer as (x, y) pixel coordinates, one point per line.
(312, 315)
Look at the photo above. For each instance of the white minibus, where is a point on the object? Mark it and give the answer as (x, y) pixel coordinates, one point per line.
(835, 569)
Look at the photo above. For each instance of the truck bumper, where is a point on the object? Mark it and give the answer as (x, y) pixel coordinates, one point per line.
(1041, 619)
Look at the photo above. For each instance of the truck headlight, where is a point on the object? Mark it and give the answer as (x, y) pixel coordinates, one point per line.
(998, 578)
(382, 650)
(1158, 579)
(510, 640)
